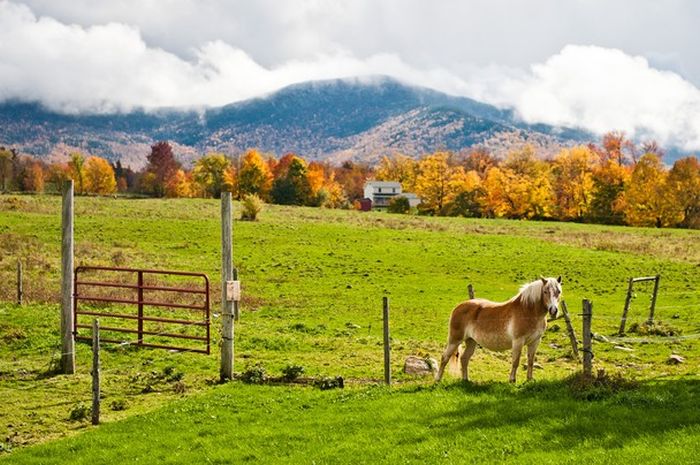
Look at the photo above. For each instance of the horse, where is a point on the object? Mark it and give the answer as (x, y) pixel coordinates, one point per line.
(513, 324)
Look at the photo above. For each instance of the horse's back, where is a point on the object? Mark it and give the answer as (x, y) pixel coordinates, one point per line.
(484, 321)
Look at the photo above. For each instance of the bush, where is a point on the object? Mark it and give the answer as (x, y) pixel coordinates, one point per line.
(79, 412)
(292, 372)
(399, 204)
(254, 375)
(252, 205)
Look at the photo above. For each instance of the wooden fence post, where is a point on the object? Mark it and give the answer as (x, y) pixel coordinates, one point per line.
(226, 299)
(628, 300)
(67, 336)
(653, 299)
(570, 329)
(387, 348)
(20, 291)
(95, 372)
(587, 338)
(470, 288)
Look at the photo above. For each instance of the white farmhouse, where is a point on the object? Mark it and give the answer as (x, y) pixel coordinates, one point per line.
(381, 193)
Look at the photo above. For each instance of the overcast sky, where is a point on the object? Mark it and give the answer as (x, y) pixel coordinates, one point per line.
(629, 65)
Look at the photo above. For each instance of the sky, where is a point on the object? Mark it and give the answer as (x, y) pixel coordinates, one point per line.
(626, 65)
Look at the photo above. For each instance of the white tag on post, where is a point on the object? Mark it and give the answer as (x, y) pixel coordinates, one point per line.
(233, 291)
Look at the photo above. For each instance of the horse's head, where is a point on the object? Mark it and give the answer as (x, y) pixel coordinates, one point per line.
(551, 293)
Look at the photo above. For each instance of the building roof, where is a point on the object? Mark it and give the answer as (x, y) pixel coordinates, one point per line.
(382, 184)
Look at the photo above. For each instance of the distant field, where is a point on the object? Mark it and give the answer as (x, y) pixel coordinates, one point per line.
(313, 283)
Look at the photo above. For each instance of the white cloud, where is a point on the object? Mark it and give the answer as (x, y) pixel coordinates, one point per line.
(112, 66)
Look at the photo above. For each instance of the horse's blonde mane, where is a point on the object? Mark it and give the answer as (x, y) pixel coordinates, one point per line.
(531, 293)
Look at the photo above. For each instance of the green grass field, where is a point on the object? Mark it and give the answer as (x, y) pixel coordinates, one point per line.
(313, 282)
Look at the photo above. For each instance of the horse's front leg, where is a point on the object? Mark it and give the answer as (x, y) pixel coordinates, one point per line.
(531, 350)
(517, 349)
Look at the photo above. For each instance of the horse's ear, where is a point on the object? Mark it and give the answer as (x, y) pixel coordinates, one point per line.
(544, 280)
(559, 279)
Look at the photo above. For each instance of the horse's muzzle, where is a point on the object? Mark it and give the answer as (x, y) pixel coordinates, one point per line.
(553, 312)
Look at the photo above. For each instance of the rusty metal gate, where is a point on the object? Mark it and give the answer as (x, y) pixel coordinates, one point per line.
(160, 319)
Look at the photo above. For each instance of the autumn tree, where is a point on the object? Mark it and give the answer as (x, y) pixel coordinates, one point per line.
(179, 185)
(399, 168)
(609, 181)
(617, 147)
(254, 176)
(161, 166)
(645, 201)
(478, 160)
(465, 194)
(433, 181)
(6, 168)
(352, 177)
(99, 176)
(573, 182)
(293, 188)
(527, 189)
(33, 177)
(683, 191)
(210, 173)
(76, 167)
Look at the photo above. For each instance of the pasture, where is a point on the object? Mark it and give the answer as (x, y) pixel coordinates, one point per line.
(313, 282)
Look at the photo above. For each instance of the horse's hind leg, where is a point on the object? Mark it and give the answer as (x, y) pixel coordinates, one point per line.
(517, 349)
(468, 352)
(451, 348)
(531, 350)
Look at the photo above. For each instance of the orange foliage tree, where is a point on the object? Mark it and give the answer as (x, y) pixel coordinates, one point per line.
(254, 176)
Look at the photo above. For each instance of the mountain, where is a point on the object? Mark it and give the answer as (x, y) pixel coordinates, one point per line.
(350, 119)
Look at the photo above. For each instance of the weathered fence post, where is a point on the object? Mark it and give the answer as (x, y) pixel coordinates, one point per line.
(470, 288)
(653, 299)
(95, 372)
(139, 293)
(570, 329)
(20, 291)
(628, 300)
(387, 348)
(587, 338)
(67, 336)
(226, 276)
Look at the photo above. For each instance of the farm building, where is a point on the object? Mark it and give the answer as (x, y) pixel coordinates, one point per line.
(380, 193)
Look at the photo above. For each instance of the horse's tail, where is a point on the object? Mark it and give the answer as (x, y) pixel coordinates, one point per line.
(454, 369)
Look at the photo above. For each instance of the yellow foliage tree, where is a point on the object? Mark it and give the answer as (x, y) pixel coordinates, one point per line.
(209, 172)
(573, 182)
(254, 176)
(76, 167)
(433, 182)
(645, 201)
(34, 177)
(99, 176)
(399, 168)
(683, 189)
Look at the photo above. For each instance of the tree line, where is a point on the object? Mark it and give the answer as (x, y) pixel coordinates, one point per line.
(614, 182)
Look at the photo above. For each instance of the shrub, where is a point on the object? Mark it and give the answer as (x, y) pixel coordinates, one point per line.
(252, 205)
(292, 372)
(254, 375)
(399, 204)
(79, 412)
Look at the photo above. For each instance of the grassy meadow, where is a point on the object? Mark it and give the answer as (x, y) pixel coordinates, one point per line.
(313, 282)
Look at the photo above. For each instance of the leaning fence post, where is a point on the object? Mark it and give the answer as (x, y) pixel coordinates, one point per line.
(587, 338)
(67, 336)
(387, 348)
(628, 300)
(226, 299)
(570, 329)
(20, 291)
(470, 288)
(96, 372)
(653, 299)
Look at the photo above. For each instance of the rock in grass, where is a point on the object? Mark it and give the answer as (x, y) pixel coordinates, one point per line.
(675, 359)
(419, 366)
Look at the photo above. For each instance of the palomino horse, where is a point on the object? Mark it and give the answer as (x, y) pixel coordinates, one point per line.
(501, 326)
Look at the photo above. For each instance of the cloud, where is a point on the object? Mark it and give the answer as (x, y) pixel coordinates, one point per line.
(602, 89)
(113, 66)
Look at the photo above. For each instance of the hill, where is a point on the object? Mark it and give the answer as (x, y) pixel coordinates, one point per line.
(357, 119)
